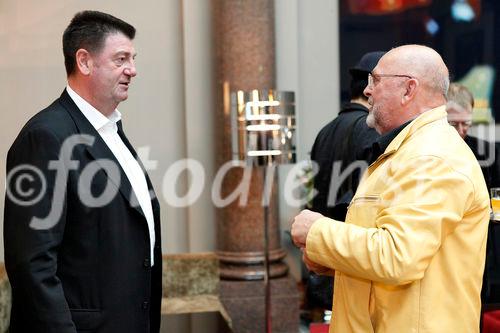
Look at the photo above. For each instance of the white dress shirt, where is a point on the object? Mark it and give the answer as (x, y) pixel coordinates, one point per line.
(108, 130)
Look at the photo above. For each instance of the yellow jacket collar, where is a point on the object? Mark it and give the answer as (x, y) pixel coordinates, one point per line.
(425, 118)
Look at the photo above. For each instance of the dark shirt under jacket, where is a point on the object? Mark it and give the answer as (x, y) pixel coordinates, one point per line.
(380, 145)
(343, 139)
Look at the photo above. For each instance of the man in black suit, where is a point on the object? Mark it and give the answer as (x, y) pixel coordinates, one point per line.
(82, 224)
(340, 147)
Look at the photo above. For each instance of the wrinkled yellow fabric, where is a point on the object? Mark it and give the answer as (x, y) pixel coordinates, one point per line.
(410, 257)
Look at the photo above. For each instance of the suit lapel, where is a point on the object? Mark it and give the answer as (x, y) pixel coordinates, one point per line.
(100, 151)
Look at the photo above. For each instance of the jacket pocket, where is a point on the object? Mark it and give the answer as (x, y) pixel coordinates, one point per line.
(86, 319)
(363, 210)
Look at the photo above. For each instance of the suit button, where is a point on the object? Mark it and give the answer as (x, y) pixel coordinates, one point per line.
(145, 305)
(147, 263)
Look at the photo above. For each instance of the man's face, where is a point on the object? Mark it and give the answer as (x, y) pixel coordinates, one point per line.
(384, 98)
(113, 70)
(459, 118)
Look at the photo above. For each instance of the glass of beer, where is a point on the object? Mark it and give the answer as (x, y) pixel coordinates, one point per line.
(495, 203)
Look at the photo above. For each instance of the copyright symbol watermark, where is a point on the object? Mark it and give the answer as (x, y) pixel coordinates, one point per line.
(23, 183)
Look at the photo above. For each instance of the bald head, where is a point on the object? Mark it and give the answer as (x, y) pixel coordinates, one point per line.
(407, 81)
(423, 63)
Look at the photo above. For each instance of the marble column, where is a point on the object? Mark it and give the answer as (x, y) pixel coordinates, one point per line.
(245, 60)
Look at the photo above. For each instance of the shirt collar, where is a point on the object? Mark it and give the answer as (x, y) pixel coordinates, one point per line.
(96, 118)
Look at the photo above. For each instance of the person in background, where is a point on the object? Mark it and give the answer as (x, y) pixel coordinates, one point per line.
(410, 255)
(339, 145)
(343, 141)
(85, 255)
(459, 108)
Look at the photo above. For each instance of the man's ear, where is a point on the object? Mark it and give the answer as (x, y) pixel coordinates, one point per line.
(83, 61)
(411, 89)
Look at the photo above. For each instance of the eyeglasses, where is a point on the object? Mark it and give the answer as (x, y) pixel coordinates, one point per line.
(456, 124)
(374, 78)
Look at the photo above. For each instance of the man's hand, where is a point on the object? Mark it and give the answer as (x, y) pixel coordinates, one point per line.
(301, 225)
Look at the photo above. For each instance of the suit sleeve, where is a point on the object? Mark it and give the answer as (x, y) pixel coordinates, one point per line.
(30, 254)
(318, 202)
(422, 206)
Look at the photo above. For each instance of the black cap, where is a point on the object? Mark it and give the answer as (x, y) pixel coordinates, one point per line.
(367, 63)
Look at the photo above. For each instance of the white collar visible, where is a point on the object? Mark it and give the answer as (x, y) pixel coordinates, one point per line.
(96, 118)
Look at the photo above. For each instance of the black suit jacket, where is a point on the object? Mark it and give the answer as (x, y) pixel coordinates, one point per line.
(487, 154)
(90, 270)
(344, 140)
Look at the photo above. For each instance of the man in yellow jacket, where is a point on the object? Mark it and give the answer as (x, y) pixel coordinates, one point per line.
(410, 256)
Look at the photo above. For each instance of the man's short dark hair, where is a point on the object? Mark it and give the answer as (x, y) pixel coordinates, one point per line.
(359, 81)
(88, 30)
(359, 73)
